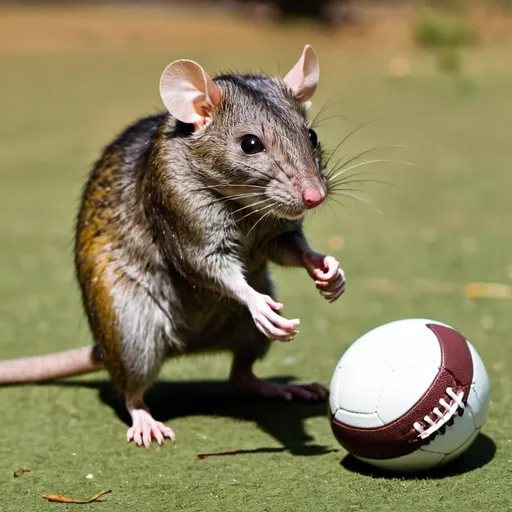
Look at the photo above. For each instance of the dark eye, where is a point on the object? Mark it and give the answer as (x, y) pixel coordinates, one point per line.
(313, 137)
(251, 145)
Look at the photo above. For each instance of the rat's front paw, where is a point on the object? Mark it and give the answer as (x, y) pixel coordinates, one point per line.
(330, 279)
(271, 324)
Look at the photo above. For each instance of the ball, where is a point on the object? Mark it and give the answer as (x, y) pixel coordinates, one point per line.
(409, 395)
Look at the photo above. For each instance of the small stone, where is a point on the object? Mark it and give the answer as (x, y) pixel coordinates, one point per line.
(90, 476)
(289, 360)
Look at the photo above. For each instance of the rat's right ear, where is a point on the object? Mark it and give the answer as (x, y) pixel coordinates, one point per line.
(302, 79)
(188, 92)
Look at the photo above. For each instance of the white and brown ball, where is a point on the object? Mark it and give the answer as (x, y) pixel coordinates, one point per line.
(409, 395)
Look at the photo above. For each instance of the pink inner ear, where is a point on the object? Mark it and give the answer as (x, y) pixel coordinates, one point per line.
(302, 79)
(188, 92)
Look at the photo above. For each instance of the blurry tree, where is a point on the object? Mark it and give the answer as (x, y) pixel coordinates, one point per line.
(323, 11)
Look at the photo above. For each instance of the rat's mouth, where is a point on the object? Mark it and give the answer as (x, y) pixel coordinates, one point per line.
(288, 212)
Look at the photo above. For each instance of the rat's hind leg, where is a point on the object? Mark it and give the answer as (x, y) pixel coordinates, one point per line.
(132, 334)
(146, 331)
(144, 427)
(242, 375)
(248, 345)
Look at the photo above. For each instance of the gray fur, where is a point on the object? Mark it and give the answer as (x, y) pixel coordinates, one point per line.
(178, 251)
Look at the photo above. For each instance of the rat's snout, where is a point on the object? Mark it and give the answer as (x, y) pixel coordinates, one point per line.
(313, 196)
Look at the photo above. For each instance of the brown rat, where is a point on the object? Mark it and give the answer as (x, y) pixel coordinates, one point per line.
(178, 221)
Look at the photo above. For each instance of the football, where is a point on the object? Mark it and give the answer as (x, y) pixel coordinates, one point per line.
(409, 395)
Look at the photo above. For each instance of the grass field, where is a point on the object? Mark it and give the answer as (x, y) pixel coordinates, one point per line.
(445, 223)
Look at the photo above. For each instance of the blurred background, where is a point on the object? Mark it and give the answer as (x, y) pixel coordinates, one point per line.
(415, 228)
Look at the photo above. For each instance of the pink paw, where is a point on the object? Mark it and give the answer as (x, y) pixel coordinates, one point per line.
(145, 428)
(305, 392)
(330, 279)
(270, 323)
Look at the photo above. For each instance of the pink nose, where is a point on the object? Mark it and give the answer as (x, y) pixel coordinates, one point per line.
(313, 197)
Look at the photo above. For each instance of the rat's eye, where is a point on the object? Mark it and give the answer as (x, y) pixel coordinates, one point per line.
(251, 145)
(313, 137)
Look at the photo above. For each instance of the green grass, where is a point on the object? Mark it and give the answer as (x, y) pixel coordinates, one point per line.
(446, 221)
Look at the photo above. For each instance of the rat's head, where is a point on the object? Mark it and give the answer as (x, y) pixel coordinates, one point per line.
(251, 133)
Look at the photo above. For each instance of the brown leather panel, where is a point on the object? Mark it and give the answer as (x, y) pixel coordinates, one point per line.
(399, 437)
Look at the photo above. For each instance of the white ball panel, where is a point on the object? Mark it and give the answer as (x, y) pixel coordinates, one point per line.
(455, 436)
(479, 396)
(360, 386)
(403, 389)
(415, 461)
(401, 343)
(333, 391)
(461, 449)
(358, 420)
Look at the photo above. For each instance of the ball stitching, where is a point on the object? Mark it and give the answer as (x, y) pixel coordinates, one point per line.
(436, 422)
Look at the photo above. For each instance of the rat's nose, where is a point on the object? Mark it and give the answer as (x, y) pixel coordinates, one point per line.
(313, 197)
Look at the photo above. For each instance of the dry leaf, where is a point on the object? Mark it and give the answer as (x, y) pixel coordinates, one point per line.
(21, 471)
(64, 499)
(202, 456)
(488, 291)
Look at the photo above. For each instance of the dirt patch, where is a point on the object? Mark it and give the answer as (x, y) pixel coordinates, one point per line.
(128, 29)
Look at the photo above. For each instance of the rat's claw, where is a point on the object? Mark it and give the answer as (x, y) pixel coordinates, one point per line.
(145, 428)
(272, 303)
(331, 287)
(270, 323)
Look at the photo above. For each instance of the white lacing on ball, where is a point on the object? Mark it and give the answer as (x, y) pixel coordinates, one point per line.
(442, 417)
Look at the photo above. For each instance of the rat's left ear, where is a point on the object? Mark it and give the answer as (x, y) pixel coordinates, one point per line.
(189, 93)
(302, 79)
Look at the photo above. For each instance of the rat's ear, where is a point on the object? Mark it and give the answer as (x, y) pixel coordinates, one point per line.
(302, 79)
(188, 92)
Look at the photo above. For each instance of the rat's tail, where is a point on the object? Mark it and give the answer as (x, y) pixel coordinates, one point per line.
(49, 367)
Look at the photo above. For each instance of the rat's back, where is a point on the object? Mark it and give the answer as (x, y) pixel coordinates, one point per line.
(112, 237)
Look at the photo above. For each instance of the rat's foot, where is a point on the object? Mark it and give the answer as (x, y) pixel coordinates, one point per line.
(144, 427)
(306, 392)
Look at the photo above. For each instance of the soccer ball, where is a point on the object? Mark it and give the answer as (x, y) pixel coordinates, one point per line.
(409, 395)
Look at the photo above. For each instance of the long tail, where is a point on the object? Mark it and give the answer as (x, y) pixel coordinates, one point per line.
(49, 367)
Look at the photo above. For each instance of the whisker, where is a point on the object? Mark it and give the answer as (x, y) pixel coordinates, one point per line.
(236, 196)
(258, 210)
(342, 181)
(262, 217)
(277, 163)
(360, 199)
(220, 185)
(369, 162)
(342, 204)
(386, 146)
(258, 171)
(347, 137)
(325, 106)
(316, 122)
(249, 205)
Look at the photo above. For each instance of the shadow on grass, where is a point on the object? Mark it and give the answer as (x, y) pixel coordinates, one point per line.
(169, 400)
(480, 453)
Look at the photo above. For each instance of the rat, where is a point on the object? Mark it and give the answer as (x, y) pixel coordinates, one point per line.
(179, 219)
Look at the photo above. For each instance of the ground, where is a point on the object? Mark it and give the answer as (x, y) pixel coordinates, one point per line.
(444, 223)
